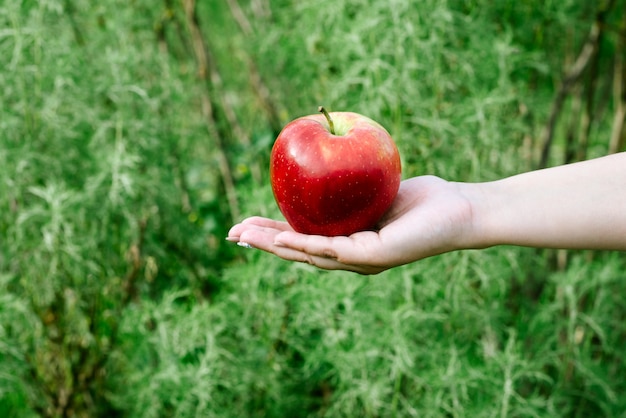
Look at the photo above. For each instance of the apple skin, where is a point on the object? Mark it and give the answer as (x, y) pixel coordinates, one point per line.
(334, 184)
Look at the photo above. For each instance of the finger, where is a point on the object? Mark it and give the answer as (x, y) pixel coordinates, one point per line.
(267, 223)
(255, 222)
(330, 253)
(322, 262)
(360, 249)
(264, 238)
(316, 245)
(258, 237)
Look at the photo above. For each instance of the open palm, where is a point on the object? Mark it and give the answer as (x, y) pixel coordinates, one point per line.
(428, 217)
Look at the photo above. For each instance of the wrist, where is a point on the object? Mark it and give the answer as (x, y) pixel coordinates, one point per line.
(481, 230)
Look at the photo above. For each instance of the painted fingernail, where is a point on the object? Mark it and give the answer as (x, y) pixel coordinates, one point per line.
(244, 244)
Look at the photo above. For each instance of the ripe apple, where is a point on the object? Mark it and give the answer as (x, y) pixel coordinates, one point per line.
(334, 174)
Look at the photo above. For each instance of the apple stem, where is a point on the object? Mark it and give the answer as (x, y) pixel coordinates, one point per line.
(330, 121)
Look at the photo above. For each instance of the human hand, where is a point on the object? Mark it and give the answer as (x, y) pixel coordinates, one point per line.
(429, 216)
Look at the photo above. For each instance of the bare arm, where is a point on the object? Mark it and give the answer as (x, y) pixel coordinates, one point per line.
(581, 205)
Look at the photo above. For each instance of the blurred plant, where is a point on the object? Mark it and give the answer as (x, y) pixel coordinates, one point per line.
(132, 134)
(110, 196)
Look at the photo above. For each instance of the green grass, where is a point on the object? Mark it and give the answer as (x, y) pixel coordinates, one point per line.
(120, 297)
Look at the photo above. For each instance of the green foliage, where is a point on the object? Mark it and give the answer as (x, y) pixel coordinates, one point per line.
(119, 295)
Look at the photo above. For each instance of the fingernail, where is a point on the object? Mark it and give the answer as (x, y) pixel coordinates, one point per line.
(232, 239)
(244, 244)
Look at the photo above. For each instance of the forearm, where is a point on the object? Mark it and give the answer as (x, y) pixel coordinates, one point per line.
(581, 205)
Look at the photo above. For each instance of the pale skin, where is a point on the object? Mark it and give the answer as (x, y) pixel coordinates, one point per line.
(575, 206)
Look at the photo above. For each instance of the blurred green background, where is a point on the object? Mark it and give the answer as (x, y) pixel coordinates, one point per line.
(134, 133)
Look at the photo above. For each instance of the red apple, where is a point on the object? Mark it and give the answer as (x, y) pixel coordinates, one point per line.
(334, 174)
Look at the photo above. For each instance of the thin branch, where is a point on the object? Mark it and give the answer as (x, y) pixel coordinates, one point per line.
(134, 256)
(259, 88)
(572, 76)
(616, 142)
(587, 115)
(618, 133)
(208, 73)
(261, 9)
(70, 13)
(589, 50)
(240, 17)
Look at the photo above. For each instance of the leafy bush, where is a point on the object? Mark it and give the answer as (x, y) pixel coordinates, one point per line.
(133, 134)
